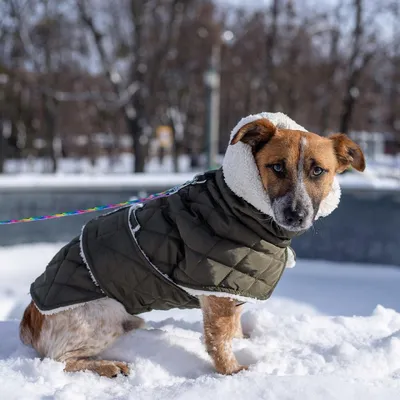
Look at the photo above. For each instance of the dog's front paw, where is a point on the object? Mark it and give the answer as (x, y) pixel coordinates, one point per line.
(240, 368)
(231, 370)
(241, 335)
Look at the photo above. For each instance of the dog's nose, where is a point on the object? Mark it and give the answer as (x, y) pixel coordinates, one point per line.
(294, 217)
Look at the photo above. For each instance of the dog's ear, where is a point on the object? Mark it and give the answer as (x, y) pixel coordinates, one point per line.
(347, 153)
(255, 133)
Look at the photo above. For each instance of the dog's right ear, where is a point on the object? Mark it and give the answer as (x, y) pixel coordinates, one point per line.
(254, 133)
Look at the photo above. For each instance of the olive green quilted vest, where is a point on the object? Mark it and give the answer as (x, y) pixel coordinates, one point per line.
(200, 239)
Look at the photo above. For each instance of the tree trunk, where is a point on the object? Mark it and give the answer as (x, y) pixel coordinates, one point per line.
(175, 146)
(394, 93)
(138, 141)
(137, 117)
(357, 65)
(49, 116)
(293, 55)
(175, 154)
(349, 102)
(49, 102)
(330, 84)
(270, 45)
(350, 94)
(2, 152)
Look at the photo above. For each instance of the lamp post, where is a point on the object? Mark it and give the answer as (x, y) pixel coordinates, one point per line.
(212, 80)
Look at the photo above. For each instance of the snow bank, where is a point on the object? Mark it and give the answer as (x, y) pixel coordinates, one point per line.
(147, 181)
(92, 182)
(294, 350)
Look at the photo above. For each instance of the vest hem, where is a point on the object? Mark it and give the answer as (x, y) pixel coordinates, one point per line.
(63, 308)
(199, 292)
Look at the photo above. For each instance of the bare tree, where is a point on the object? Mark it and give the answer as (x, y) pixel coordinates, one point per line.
(394, 91)
(363, 49)
(78, 67)
(48, 42)
(270, 86)
(132, 110)
(293, 65)
(145, 68)
(332, 68)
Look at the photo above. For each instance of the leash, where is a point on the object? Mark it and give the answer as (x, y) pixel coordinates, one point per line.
(90, 210)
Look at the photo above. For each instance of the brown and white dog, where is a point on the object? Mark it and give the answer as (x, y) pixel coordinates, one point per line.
(288, 174)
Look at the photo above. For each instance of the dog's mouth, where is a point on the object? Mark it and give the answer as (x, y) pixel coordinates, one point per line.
(292, 228)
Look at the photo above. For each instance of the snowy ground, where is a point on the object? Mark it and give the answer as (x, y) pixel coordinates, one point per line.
(121, 164)
(304, 343)
(353, 180)
(381, 173)
(25, 174)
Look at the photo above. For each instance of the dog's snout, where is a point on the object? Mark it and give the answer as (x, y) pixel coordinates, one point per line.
(293, 214)
(294, 217)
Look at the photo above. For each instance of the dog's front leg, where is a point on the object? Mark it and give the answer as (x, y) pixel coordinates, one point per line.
(220, 326)
(239, 331)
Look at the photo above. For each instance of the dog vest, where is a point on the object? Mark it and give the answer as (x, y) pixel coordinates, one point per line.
(200, 239)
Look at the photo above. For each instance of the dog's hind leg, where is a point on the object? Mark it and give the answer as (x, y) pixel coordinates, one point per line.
(77, 335)
(110, 369)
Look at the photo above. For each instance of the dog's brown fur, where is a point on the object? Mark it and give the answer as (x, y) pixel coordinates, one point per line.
(221, 318)
(31, 325)
(74, 336)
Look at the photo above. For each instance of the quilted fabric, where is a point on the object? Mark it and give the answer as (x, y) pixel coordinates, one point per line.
(203, 238)
(124, 272)
(66, 281)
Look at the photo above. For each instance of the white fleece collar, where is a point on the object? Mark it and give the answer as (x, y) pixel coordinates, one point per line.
(245, 180)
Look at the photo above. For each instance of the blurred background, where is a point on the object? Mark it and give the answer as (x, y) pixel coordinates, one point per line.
(94, 93)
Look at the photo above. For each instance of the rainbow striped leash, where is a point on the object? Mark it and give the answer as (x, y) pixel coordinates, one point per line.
(93, 209)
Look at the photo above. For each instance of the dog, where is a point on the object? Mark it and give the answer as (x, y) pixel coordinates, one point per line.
(276, 180)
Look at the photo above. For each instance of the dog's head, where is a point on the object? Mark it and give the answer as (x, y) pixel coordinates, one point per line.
(297, 168)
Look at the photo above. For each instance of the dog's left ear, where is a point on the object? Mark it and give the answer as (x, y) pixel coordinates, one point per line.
(256, 132)
(347, 153)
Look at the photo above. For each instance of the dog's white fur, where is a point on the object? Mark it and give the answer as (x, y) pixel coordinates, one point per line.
(100, 322)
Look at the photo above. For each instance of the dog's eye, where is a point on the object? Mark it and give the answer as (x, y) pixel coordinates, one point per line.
(317, 171)
(277, 167)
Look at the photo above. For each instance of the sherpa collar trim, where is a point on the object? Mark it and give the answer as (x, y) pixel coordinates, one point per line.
(245, 181)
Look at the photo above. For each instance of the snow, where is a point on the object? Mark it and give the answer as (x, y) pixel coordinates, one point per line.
(92, 182)
(147, 181)
(383, 174)
(304, 343)
(120, 164)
